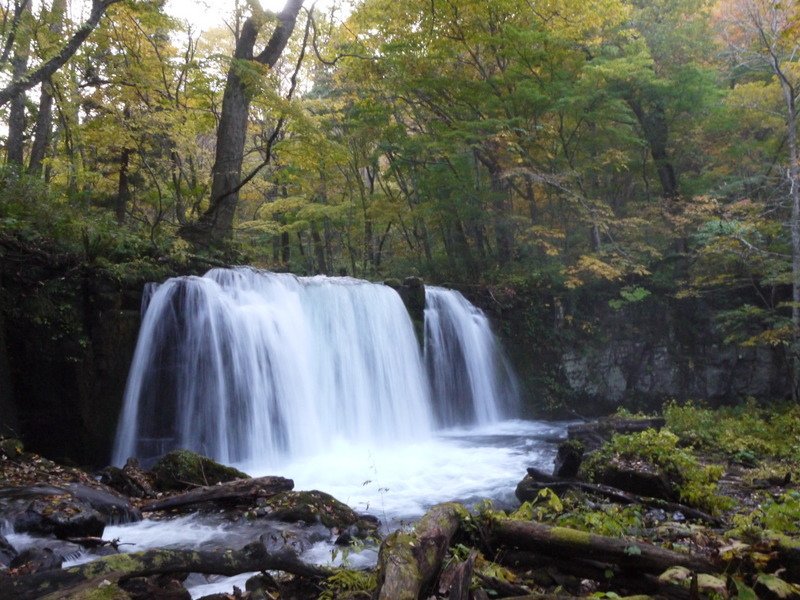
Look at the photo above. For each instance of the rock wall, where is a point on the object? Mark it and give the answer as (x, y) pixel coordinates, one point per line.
(578, 354)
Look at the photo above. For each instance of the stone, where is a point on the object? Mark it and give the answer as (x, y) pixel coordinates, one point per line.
(131, 480)
(11, 448)
(114, 507)
(182, 470)
(54, 510)
(34, 560)
(311, 507)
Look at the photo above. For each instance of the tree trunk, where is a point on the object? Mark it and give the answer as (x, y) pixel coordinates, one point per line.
(656, 133)
(261, 487)
(82, 579)
(562, 542)
(123, 187)
(409, 562)
(217, 222)
(15, 145)
(44, 121)
(29, 80)
(794, 187)
(319, 249)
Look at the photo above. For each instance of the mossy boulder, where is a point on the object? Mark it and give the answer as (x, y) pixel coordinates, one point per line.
(11, 448)
(317, 507)
(182, 470)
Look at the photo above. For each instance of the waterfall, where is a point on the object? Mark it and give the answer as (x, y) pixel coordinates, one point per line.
(470, 377)
(247, 365)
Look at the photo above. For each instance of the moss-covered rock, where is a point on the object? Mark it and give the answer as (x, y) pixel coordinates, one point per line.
(310, 507)
(181, 470)
(11, 448)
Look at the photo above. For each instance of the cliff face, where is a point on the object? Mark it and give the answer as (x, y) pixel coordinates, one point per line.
(64, 358)
(587, 355)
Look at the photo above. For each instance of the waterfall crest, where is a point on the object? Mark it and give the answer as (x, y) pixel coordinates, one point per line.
(245, 365)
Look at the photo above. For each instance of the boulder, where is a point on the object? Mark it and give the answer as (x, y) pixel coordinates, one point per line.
(114, 507)
(73, 510)
(34, 560)
(182, 470)
(318, 507)
(130, 480)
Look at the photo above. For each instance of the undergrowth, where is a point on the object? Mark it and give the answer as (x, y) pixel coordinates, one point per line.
(694, 482)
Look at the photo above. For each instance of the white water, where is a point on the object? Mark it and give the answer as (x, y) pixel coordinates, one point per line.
(243, 365)
(323, 380)
(470, 378)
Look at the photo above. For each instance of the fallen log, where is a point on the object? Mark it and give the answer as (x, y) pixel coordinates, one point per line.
(409, 561)
(628, 581)
(240, 489)
(593, 434)
(563, 542)
(119, 568)
(540, 480)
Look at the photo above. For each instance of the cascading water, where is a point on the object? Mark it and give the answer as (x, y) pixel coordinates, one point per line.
(470, 378)
(243, 365)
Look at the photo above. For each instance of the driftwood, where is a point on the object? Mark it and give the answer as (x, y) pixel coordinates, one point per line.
(409, 562)
(562, 542)
(121, 567)
(260, 487)
(540, 480)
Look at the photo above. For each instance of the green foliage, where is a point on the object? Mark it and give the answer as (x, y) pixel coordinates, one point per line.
(746, 431)
(695, 482)
(629, 295)
(574, 512)
(346, 580)
(776, 516)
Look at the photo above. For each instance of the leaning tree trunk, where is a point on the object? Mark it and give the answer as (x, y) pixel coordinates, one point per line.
(217, 222)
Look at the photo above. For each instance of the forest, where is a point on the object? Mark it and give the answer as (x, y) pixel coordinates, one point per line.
(547, 240)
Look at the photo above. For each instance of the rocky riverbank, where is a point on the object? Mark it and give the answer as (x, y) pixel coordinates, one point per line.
(630, 509)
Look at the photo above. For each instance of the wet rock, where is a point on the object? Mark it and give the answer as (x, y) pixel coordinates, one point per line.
(114, 508)
(35, 560)
(130, 480)
(7, 552)
(182, 470)
(53, 510)
(310, 507)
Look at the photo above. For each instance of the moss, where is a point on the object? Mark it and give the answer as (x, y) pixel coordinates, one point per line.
(572, 536)
(182, 469)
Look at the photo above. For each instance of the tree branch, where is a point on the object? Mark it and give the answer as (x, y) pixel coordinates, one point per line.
(46, 70)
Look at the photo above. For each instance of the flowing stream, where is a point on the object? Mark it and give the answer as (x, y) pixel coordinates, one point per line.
(322, 380)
